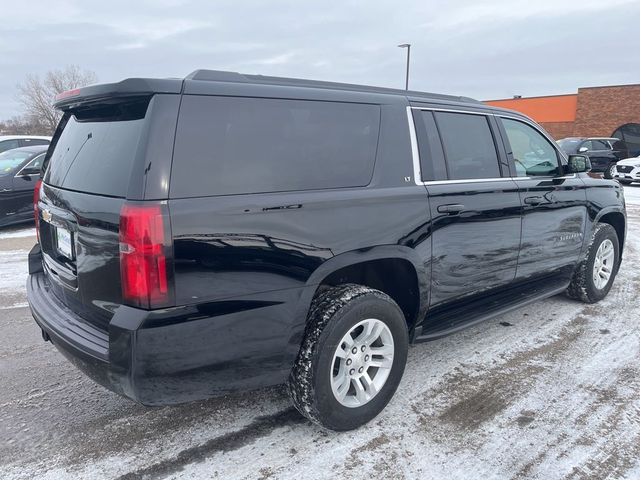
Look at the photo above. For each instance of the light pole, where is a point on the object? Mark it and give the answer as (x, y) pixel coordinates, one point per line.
(408, 47)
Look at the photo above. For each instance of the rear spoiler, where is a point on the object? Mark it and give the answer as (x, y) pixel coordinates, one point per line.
(131, 87)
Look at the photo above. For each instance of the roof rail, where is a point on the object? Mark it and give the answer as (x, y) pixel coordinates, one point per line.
(235, 77)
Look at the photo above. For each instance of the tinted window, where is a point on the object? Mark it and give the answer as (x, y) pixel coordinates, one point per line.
(95, 154)
(533, 154)
(230, 145)
(569, 145)
(599, 145)
(468, 145)
(432, 165)
(8, 145)
(588, 144)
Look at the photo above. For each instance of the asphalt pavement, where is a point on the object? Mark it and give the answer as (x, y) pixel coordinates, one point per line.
(549, 391)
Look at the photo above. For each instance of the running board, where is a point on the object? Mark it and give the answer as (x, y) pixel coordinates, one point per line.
(441, 322)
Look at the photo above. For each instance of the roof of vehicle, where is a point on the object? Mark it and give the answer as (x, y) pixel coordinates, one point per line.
(18, 137)
(234, 77)
(214, 81)
(577, 139)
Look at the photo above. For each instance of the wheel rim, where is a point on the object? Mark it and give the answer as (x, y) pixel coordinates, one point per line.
(603, 264)
(609, 172)
(362, 363)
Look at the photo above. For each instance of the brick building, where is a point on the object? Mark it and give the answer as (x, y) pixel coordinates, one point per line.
(611, 111)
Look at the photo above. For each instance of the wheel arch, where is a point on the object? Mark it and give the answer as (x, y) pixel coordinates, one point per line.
(387, 268)
(618, 220)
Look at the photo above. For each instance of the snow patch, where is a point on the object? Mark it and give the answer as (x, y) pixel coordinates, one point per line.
(22, 233)
(13, 271)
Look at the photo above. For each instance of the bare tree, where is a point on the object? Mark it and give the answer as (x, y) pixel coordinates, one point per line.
(37, 94)
(22, 126)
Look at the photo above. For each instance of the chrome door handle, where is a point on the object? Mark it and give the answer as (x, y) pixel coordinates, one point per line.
(533, 200)
(451, 209)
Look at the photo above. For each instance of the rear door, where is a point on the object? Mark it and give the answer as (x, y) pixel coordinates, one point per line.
(475, 206)
(553, 204)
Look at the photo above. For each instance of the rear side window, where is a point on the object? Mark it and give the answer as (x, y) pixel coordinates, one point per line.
(96, 148)
(232, 145)
(8, 145)
(468, 145)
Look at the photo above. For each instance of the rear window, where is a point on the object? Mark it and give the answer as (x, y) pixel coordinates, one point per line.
(231, 145)
(96, 149)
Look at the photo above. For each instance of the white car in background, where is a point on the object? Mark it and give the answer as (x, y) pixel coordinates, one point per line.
(628, 170)
(9, 142)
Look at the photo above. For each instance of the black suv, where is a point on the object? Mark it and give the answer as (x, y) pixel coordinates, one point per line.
(228, 231)
(603, 153)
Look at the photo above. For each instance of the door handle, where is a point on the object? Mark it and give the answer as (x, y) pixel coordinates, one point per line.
(452, 209)
(533, 200)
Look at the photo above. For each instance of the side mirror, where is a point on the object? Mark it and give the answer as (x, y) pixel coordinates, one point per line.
(578, 164)
(583, 149)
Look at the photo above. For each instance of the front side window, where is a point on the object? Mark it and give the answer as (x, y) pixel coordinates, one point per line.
(599, 145)
(11, 160)
(586, 146)
(469, 149)
(33, 166)
(533, 154)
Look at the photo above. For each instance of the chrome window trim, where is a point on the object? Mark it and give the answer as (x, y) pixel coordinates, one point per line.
(415, 154)
(18, 175)
(468, 180)
(553, 143)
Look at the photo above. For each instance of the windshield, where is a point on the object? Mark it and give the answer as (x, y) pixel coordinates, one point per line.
(569, 144)
(11, 160)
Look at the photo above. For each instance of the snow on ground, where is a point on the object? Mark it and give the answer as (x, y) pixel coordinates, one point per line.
(550, 391)
(18, 233)
(632, 194)
(13, 277)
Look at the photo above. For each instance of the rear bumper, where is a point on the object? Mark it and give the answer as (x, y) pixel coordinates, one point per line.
(173, 355)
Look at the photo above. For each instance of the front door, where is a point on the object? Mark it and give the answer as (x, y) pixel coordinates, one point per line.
(554, 205)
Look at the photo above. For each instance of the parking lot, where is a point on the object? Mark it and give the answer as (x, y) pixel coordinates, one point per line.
(548, 391)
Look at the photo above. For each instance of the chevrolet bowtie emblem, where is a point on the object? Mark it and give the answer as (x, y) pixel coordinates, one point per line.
(46, 215)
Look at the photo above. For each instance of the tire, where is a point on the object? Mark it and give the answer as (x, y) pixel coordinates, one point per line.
(625, 182)
(334, 314)
(608, 173)
(583, 284)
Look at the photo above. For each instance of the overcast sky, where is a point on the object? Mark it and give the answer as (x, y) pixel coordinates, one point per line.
(491, 49)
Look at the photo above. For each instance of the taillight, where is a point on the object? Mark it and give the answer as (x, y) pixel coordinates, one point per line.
(36, 211)
(145, 251)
